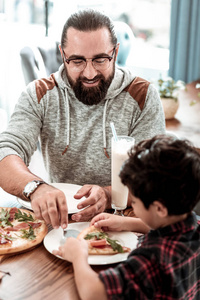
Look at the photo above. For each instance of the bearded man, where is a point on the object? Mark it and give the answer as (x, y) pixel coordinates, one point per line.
(71, 112)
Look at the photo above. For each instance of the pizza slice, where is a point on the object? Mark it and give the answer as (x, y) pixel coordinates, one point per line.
(99, 242)
(19, 230)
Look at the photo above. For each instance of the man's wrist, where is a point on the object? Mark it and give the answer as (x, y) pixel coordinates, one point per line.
(31, 187)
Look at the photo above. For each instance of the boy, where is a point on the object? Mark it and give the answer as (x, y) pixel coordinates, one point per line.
(163, 177)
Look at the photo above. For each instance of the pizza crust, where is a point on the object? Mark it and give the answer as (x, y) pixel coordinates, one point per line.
(21, 244)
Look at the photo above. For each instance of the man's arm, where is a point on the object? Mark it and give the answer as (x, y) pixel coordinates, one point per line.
(14, 175)
(48, 203)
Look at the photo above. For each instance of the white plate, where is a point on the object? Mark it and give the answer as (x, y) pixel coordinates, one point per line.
(69, 190)
(127, 239)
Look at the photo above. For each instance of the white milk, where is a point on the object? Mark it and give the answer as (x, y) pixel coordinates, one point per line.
(119, 155)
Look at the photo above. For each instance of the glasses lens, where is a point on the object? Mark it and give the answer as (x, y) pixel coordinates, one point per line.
(77, 65)
(101, 63)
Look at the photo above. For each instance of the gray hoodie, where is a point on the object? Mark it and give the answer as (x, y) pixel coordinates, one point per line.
(75, 138)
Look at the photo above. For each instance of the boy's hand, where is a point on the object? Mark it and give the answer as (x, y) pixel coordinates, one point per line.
(72, 249)
(108, 222)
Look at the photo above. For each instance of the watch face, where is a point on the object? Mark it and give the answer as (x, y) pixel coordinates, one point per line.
(30, 187)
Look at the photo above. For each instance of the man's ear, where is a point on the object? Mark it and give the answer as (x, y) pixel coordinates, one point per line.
(61, 52)
(116, 51)
(160, 209)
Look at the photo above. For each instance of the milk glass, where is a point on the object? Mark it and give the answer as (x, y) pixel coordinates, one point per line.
(120, 148)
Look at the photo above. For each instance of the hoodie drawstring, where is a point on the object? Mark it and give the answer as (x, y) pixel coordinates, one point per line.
(104, 127)
(68, 123)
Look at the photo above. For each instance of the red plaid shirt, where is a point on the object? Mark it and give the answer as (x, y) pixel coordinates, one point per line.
(166, 265)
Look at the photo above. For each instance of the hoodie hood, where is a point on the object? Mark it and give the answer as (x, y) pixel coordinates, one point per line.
(122, 78)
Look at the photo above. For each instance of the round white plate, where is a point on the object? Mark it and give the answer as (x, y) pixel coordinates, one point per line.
(128, 239)
(69, 190)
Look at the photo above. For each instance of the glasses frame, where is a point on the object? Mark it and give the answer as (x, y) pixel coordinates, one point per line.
(67, 60)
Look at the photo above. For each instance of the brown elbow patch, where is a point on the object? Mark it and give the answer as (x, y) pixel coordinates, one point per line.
(43, 85)
(138, 90)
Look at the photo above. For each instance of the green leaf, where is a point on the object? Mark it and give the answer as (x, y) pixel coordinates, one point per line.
(23, 217)
(103, 235)
(115, 245)
(193, 102)
(28, 234)
(4, 218)
(7, 237)
(97, 235)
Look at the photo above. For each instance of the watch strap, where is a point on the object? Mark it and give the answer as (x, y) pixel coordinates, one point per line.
(28, 194)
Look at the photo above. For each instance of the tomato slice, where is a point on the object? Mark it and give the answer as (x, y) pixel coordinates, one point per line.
(98, 243)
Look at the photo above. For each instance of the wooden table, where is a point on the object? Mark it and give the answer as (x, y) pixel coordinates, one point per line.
(37, 274)
(186, 123)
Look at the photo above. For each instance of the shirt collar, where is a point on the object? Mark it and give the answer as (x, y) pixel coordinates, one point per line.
(190, 223)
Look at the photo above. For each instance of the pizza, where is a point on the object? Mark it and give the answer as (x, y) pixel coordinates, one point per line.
(99, 242)
(19, 230)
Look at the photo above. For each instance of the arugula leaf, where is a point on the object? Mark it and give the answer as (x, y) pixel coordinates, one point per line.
(97, 235)
(115, 245)
(7, 237)
(4, 218)
(28, 234)
(23, 217)
(103, 235)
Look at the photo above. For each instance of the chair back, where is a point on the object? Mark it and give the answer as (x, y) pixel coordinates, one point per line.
(125, 38)
(40, 61)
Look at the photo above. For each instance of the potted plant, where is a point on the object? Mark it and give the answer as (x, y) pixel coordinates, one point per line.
(168, 89)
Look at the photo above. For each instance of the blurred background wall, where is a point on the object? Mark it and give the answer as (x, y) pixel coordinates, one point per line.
(155, 25)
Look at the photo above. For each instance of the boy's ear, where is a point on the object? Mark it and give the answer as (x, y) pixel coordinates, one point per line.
(160, 209)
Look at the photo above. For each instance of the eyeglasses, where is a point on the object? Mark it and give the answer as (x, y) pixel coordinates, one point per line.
(100, 63)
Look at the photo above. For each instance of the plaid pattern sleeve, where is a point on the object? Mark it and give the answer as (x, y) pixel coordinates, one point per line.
(165, 266)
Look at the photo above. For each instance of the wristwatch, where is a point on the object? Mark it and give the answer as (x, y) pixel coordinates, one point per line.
(31, 187)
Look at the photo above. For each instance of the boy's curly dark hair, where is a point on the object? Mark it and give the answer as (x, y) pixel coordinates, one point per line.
(165, 169)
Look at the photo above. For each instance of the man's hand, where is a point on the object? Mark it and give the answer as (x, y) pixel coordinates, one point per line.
(97, 200)
(50, 205)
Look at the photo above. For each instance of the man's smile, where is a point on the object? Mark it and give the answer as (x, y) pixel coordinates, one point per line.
(90, 83)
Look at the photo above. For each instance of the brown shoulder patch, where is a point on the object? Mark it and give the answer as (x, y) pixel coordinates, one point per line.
(138, 90)
(43, 85)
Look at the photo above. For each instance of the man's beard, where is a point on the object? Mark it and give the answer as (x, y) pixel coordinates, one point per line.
(91, 95)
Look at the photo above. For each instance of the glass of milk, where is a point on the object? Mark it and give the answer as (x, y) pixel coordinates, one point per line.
(120, 148)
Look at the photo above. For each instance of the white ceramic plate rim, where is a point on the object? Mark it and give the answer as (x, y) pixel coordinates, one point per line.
(128, 239)
(69, 190)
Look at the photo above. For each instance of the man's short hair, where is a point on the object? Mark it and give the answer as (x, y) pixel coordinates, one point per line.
(164, 169)
(88, 20)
